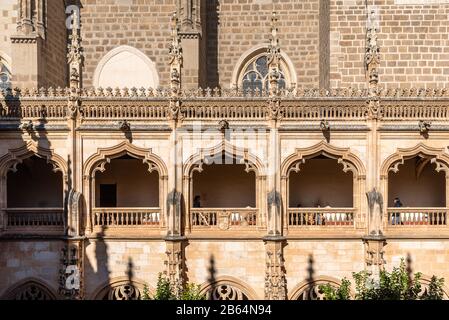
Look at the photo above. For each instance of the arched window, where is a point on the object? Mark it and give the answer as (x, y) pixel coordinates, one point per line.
(5, 74)
(255, 76)
(251, 71)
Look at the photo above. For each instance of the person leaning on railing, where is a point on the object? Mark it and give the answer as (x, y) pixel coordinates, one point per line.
(396, 216)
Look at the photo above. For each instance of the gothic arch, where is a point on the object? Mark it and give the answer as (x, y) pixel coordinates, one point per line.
(30, 289)
(97, 163)
(256, 51)
(437, 155)
(308, 290)
(230, 287)
(15, 156)
(137, 66)
(349, 161)
(204, 155)
(120, 288)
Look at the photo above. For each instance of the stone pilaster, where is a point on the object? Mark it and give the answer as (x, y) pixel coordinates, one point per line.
(174, 197)
(275, 281)
(274, 200)
(71, 275)
(175, 262)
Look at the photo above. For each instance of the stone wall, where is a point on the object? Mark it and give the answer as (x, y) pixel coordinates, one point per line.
(245, 24)
(29, 259)
(413, 41)
(144, 25)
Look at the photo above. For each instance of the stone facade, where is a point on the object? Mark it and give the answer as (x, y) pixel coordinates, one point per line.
(298, 99)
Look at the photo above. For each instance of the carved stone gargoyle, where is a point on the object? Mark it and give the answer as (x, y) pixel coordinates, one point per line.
(375, 206)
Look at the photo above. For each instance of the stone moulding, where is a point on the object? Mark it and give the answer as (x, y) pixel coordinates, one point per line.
(103, 156)
(392, 163)
(349, 161)
(15, 156)
(196, 161)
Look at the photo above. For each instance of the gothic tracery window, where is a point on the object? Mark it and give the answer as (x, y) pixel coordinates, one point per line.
(226, 292)
(5, 76)
(31, 291)
(255, 76)
(125, 291)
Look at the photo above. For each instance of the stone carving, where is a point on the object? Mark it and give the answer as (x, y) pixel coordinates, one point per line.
(75, 53)
(123, 292)
(124, 126)
(372, 62)
(324, 125)
(174, 210)
(424, 126)
(275, 281)
(31, 292)
(274, 58)
(174, 265)
(74, 214)
(27, 126)
(374, 252)
(312, 292)
(223, 125)
(175, 52)
(274, 108)
(70, 272)
(226, 292)
(375, 206)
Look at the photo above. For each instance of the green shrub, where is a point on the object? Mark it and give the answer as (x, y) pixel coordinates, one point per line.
(166, 291)
(397, 285)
